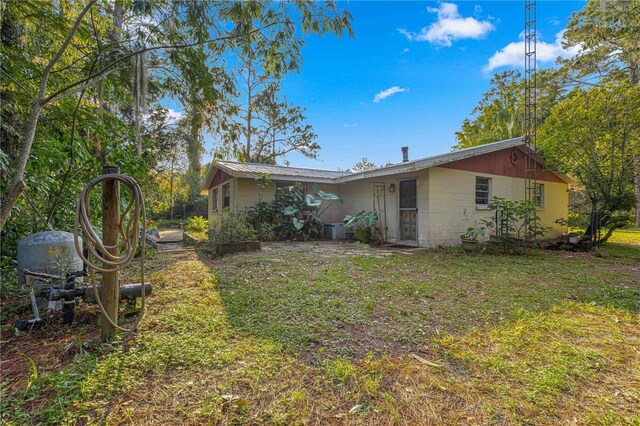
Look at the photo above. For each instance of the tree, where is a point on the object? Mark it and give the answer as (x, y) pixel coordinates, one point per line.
(85, 53)
(500, 113)
(607, 34)
(594, 136)
(281, 128)
(362, 165)
(262, 125)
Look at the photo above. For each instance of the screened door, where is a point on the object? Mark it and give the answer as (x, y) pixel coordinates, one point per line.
(408, 201)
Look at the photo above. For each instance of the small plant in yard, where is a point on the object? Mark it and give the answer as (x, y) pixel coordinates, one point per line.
(197, 225)
(230, 228)
(364, 225)
(470, 238)
(472, 234)
(515, 223)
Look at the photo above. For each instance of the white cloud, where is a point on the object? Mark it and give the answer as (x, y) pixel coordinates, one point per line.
(553, 20)
(450, 26)
(174, 116)
(513, 53)
(388, 92)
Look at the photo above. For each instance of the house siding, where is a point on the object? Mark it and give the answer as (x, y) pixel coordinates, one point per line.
(358, 196)
(452, 208)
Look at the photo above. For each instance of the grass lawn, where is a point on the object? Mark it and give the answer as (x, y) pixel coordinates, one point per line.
(316, 333)
(626, 236)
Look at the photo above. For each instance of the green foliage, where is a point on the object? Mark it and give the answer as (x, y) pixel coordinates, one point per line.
(101, 99)
(593, 135)
(197, 224)
(362, 165)
(364, 225)
(292, 214)
(230, 228)
(500, 113)
(473, 233)
(514, 222)
(606, 35)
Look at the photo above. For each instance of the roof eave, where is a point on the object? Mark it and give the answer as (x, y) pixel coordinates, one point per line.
(274, 177)
(433, 161)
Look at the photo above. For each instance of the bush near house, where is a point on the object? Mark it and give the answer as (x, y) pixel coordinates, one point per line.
(197, 226)
(291, 215)
(231, 229)
(514, 223)
(364, 225)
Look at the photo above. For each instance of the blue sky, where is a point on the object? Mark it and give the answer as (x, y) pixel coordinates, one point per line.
(410, 75)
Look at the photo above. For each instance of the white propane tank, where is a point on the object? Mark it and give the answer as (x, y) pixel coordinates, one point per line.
(51, 252)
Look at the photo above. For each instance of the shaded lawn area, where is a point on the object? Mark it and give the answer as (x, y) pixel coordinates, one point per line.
(311, 334)
(350, 306)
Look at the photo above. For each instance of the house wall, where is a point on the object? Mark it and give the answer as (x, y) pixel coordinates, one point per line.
(358, 196)
(452, 206)
(244, 192)
(215, 214)
(446, 201)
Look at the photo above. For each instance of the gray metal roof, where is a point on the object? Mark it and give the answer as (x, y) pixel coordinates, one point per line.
(236, 169)
(282, 173)
(251, 170)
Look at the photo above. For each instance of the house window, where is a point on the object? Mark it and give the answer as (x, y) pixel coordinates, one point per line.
(214, 200)
(408, 194)
(226, 196)
(538, 195)
(483, 191)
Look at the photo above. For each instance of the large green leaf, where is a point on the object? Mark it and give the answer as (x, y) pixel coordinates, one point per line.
(312, 202)
(325, 195)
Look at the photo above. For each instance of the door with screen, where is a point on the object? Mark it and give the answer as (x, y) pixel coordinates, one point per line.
(408, 201)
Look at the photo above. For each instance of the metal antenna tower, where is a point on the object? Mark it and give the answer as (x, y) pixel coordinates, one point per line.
(530, 97)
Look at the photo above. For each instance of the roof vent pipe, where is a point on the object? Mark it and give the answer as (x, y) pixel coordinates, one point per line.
(405, 154)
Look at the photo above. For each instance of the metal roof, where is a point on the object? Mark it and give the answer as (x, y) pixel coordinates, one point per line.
(434, 160)
(251, 170)
(282, 173)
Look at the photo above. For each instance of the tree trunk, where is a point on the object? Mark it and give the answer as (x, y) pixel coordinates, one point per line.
(249, 110)
(17, 184)
(171, 190)
(637, 187)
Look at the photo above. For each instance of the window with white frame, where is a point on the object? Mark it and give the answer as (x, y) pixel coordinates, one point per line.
(226, 196)
(483, 191)
(214, 200)
(538, 195)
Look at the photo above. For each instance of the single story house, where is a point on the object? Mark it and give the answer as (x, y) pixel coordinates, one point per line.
(426, 202)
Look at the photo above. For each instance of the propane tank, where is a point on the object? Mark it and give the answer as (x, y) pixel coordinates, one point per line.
(49, 252)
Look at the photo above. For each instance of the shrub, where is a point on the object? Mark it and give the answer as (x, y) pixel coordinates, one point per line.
(291, 214)
(197, 224)
(514, 222)
(230, 228)
(365, 226)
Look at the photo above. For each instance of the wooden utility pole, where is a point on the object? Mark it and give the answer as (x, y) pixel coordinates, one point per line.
(110, 238)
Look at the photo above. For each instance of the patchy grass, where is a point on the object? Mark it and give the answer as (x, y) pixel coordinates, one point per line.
(351, 306)
(295, 337)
